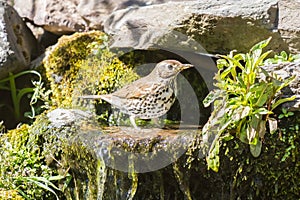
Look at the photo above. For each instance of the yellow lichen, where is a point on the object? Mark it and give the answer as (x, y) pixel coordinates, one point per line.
(10, 194)
(64, 60)
(18, 137)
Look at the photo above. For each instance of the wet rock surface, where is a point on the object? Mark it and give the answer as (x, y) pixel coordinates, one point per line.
(118, 162)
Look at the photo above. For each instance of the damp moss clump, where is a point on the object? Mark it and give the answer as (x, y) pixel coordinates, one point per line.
(32, 164)
(83, 64)
(275, 174)
(23, 171)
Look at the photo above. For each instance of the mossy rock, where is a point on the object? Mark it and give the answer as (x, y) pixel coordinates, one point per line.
(72, 142)
(82, 63)
(187, 177)
(23, 165)
(105, 162)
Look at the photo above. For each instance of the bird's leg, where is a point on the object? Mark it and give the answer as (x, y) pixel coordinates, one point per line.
(156, 122)
(132, 120)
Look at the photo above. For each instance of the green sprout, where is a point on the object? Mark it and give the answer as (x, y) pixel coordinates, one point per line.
(285, 113)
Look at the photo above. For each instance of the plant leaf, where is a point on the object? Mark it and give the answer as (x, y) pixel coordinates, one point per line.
(261, 128)
(211, 97)
(41, 182)
(262, 111)
(281, 101)
(259, 61)
(281, 85)
(251, 133)
(240, 113)
(242, 134)
(255, 149)
(272, 125)
(261, 44)
(213, 159)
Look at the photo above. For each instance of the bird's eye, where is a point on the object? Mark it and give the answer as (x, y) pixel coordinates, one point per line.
(170, 67)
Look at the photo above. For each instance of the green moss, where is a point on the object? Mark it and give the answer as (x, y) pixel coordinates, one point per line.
(64, 60)
(21, 157)
(24, 156)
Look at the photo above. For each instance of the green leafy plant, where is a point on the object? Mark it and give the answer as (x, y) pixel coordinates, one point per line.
(40, 93)
(44, 183)
(9, 84)
(283, 57)
(244, 101)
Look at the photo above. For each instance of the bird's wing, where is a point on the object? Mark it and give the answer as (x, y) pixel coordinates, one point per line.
(136, 90)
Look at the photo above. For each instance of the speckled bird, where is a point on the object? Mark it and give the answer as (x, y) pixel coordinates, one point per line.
(149, 97)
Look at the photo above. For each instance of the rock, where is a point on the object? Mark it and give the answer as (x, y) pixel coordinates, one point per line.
(17, 44)
(67, 16)
(125, 163)
(62, 117)
(217, 26)
(55, 16)
(98, 155)
(289, 23)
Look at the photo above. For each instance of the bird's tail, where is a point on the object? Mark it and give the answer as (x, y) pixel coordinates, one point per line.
(105, 97)
(91, 97)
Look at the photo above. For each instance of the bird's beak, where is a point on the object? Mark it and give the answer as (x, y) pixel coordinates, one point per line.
(185, 66)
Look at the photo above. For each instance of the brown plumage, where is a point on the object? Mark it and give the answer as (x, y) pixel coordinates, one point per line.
(148, 97)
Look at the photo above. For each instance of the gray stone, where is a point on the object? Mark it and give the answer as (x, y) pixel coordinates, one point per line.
(56, 16)
(66, 16)
(62, 117)
(217, 25)
(17, 44)
(289, 23)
